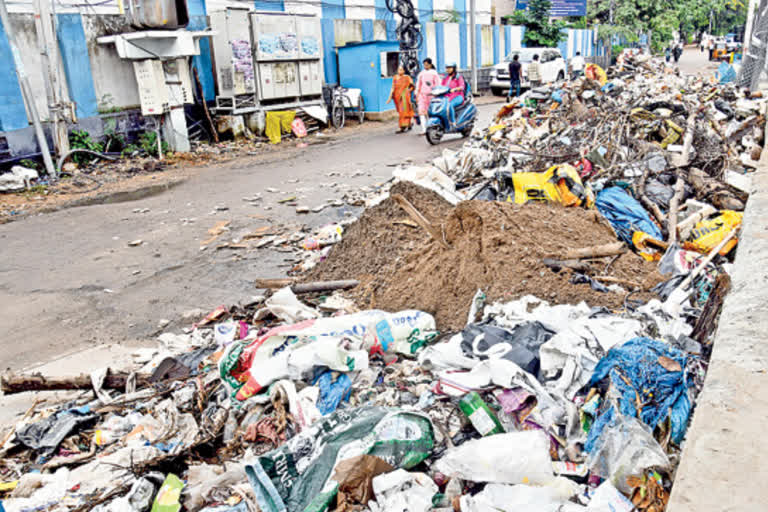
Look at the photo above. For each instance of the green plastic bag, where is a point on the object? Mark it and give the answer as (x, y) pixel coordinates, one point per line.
(297, 477)
(167, 499)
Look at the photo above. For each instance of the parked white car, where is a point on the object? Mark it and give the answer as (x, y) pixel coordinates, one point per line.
(552, 68)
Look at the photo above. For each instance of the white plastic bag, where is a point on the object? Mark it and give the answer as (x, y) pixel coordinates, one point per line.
(512, 498)
(401, 491)
(512, 458)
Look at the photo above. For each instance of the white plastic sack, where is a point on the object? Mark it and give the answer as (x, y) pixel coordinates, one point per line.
(285, 306)
(401, 491)
(512, 458)
(608, 499)
(18, 179)
(512, 498)
(430, 178)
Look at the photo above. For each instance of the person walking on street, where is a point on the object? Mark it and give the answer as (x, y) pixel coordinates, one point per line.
(677, 52)
(402, 87)
(667, 53)
(577, 66)
(534, 72)
(427, 79)
(515, 70)
(454, 82)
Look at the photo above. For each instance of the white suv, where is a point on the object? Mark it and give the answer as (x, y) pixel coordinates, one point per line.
(552, 68)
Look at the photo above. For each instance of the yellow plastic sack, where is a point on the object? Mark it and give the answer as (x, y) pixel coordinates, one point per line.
(595, 72)
(647, 246)
(558, 184)
(277, 123)
(708, 233)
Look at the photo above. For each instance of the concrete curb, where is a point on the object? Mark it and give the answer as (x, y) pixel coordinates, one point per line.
(724, 463)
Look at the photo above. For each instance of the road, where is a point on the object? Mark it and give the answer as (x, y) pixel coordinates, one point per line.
(70, 280)
(695, 62)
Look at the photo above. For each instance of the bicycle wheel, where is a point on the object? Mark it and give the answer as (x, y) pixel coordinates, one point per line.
(361, 110)
(337, 113)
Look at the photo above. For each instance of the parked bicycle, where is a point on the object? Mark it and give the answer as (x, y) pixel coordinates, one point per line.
(346, 102)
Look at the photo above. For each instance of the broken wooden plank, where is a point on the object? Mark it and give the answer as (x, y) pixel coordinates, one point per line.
(618, 280)
(18, 383)
(315, 286)
(420, 219)
(596, 251)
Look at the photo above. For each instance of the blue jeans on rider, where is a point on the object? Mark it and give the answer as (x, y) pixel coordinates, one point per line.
(514, 89)
(455, 102)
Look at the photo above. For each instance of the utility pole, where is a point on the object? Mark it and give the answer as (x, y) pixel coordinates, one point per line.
(26, 91)
(473, 46)
(46, 37)
(750, 22)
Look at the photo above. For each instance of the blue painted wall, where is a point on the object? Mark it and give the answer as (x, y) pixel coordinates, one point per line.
(426, 10)
(382, 13)
(391, 28)
(463, 42)
(367, 29)
(440, 47)
(269, 5)
(507, 40)
(496, 43)
(329, 52)
(13, 116)
(360, 67)
(202, 62)
(461, 7)
(77, 64)
(479, 45)
(333, 9)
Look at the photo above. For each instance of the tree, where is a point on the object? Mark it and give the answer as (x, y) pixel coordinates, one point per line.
(539, 29)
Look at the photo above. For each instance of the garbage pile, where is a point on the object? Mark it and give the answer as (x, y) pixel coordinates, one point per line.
(524, 325)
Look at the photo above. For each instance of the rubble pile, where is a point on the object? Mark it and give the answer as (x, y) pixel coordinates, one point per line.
(528, 327)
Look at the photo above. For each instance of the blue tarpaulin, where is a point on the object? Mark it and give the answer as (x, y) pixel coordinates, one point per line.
(649, 376)
(625, 214)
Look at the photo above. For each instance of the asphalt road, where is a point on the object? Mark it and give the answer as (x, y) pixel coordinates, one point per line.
(70, 280)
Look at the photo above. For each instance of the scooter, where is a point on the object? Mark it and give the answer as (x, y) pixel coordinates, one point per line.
(439, 124)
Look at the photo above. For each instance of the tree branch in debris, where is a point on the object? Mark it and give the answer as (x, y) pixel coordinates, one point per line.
(299, 288)
(12, 383)
(420, 219)
(596, 251)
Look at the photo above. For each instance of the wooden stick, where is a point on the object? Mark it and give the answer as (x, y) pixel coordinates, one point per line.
(214, 133)
(707, 321)
(11, 383)
(420, 219)
(617, 280)
(674, 205)
(315, 286)
(597, 251)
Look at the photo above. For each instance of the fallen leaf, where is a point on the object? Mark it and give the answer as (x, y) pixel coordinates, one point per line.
(670, 364)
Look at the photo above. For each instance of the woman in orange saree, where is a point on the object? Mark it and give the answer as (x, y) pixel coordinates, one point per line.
(402, 86)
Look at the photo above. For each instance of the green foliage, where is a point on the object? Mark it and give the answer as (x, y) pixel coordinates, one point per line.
(539, 29)
(148, 143)
(113, 141)
(616, 49)
(106, 105)
(577, 22)
(29, 164)
(81, 139)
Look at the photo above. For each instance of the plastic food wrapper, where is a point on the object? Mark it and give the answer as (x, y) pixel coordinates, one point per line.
(512, 458)
(325, 236)
(298, 476)
(355, 477)
(649, 372)
(626, 447)
(607, 498)
(625, 214)
(167, 499)
(558, 184)
(400, 491)
(340, 343)
(708, 233)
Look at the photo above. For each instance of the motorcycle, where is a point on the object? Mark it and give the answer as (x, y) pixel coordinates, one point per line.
(439, 124)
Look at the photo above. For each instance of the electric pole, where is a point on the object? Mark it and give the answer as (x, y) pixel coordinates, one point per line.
(473, 46)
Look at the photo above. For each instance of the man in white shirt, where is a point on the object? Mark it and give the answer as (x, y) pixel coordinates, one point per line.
(577, 66)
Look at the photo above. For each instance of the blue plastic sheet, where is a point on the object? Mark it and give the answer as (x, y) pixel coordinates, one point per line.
(332, 392)
(636, 372)
(726, 73)
(625, 214)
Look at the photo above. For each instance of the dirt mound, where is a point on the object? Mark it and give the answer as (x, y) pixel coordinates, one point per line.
(381, 237)
(497, 247)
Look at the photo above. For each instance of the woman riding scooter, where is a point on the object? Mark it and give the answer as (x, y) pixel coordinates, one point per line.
(455, 83)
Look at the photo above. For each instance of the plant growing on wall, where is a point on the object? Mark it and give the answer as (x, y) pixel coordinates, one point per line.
(81, 139)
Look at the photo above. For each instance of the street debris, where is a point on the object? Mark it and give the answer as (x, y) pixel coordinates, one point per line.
(523, 325)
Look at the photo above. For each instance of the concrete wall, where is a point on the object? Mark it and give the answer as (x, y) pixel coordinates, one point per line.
(723, 464)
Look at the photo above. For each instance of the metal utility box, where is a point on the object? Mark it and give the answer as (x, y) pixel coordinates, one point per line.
(154, 14)
(233, 52)
(310, 35)
(310, 77)
(370, 67)
(278, 80)
(275, 36)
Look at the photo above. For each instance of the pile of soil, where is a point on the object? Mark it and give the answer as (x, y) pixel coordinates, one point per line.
(496, 247)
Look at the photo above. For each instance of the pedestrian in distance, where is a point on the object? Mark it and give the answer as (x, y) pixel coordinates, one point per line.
(455, 82)
(515, 70)
(534, 72)
(677, 52)
(402, 87)
(577, 66)
(667, 53)
(425, 81)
